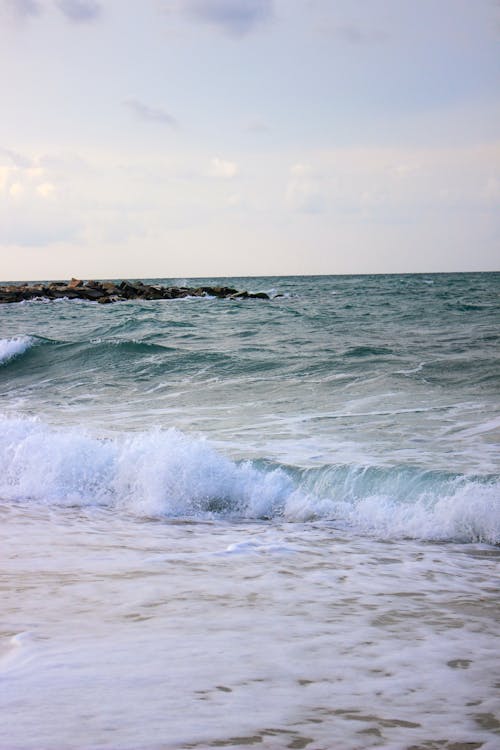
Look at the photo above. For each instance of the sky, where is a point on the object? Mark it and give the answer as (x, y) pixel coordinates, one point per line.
(185, 138)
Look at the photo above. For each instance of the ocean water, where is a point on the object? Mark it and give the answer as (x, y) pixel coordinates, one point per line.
(229, 523)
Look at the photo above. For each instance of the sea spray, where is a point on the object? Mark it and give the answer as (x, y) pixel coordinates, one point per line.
(10, 348)
(153, 474)
(168, 474)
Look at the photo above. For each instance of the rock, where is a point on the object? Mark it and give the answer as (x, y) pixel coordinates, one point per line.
(110, 288)
(65, 293)
(176, 292)
(249, 295)
(239, 295)
(150, 292)
(91, 293)
(128, 290)
(219, 291)
(55, 286)
(94, 285)
(10, 296)
(107, 291)
(258, 295)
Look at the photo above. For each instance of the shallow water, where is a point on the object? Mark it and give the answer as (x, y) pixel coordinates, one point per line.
(119, 633)
(269, 524)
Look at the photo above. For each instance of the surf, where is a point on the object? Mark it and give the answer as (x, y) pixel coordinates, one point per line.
(165, 474)
(14, 347)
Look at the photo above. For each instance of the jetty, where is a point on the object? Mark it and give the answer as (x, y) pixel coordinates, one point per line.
(106, 292)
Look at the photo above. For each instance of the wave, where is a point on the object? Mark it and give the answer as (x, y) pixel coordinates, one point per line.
(167, 474)
(128, 346)
(59, 357)
(368, 351)
(10, 348)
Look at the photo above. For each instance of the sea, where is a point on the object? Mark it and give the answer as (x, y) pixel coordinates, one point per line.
(232, 523)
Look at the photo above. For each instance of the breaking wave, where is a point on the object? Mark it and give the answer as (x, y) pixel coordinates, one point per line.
(167, 474)
(57, 357)
(10, 348)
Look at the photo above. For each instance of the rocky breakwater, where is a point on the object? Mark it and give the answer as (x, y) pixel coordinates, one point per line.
(106, 292)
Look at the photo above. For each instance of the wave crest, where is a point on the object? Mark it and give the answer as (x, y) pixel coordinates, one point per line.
(10, 348)
(165, 473)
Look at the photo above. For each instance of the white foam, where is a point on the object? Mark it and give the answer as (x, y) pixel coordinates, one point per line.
(489, 426)
(17, 651)
(158, 473)
(257, 547)
(10, 348)
(470, 513)
(165, 473)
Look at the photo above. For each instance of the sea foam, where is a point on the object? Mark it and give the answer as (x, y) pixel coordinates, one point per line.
(168, 474)
(10, 348)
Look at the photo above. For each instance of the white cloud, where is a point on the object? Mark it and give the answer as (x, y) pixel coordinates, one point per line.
(24, 8)
(369, 196)
(351, 33)
(373, 198)
(76, 11)
(4, 176)
(222, 168)
(16, 158)
(28, 216)
(25, 179)
(79, 11)
(150, 114)
(46, 189)
(234, 17)
(405, 169)
(257, 125)
(34, 173)
(234, 200)
(16, 190)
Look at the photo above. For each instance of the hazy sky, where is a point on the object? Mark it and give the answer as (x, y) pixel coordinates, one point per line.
(232, 137)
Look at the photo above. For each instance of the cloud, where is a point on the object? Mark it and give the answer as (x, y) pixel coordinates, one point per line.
(234, 200)
(407, 169)
(34, 212)
(150, 114)
(36, 228)
(76, 11)
(328, 23)
(257, 125)
(25, 180)
(234, 17)
(353, 34)
(79, 11)
(224, 169)
(19, 160)
(16, 190)
(24, 8)
(46, 189)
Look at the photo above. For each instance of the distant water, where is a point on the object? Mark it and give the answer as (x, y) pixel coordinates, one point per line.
(244, 522)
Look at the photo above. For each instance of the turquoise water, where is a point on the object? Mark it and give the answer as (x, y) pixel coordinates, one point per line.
(229, 523)
(342, 388)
